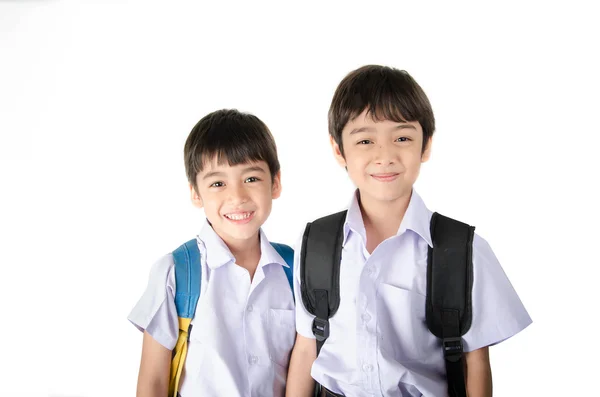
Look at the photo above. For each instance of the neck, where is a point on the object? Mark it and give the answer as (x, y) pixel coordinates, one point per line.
(246, 252)
(382, 219)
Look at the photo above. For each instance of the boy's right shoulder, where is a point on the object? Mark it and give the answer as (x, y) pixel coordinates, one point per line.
(162, 271)
(164, 267)
(166, 262)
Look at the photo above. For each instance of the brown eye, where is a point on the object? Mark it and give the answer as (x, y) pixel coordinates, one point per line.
(217, 184)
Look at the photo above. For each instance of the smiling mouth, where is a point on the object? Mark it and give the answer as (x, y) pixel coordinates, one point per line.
(240, 217)
(386, 177)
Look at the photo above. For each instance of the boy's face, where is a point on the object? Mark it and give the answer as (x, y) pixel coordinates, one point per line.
(383, 158)
(236, 199)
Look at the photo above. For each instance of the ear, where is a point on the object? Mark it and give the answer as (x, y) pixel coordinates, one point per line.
(427, 152)
(196, 199)
(276, 188)
(337, 153)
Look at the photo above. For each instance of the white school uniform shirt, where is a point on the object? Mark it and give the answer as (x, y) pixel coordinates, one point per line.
(242, 331)
(379, 343)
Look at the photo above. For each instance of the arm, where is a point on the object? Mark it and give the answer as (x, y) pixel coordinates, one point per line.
(153, 379)
(299, 381)
(478, 373)
(498, 314)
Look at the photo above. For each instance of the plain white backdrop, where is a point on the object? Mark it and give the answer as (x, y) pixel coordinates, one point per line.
(97, 98)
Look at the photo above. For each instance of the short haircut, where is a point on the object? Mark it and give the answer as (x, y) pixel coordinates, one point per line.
(233, 137)
(387, 94)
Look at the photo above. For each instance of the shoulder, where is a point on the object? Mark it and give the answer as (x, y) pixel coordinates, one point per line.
(162, 272)
(483, 255)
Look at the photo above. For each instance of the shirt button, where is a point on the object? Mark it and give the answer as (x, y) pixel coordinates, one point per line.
(252, 360)
(370, 270)
(250, 308)
(363, 301)
(365, 317)
(367, 367)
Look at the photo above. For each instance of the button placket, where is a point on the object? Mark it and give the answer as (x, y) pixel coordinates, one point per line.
(365, 317)
(367, 338)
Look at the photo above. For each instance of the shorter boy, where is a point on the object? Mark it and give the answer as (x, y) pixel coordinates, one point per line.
(243, 329)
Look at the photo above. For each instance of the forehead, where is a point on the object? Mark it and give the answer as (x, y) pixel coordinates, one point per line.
(222, 165)
(365, 122)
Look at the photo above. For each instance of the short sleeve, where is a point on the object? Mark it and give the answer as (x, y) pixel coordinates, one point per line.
(155, 312)
(304, 319)
(498, 313)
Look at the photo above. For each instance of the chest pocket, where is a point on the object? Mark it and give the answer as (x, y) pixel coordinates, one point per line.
(281, 333)
(404, 332)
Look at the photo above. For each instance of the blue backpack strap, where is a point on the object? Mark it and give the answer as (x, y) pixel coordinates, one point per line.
(188, 276)
(287, 253)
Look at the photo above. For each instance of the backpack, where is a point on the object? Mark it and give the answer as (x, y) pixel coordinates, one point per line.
(449, 284)
(188, 277)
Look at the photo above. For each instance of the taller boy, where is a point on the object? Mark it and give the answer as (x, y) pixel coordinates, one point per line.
(380, 125)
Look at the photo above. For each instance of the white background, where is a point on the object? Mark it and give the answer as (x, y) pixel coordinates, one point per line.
(97, 98)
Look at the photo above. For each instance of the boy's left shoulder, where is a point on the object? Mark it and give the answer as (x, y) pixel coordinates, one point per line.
(484, 258)
(482, 250)
(498, 312)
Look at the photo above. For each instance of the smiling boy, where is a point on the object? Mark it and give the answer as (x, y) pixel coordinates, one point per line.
(363, 327)
(243, 329)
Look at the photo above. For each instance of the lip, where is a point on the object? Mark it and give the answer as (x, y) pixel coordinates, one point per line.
(240, 221)
(385, 176)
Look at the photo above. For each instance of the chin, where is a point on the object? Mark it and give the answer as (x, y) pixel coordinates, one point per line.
(242, 234)
(389, 194)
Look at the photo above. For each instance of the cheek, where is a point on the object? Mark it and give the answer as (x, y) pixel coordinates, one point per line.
(356, 173)
(260, 195)
(415, 166)
(267, 197)
(211, 203)
(358, 163)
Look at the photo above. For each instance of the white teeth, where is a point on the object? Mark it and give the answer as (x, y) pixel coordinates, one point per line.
(238, 217)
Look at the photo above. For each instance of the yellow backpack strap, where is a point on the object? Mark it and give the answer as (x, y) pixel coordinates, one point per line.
(188, 277)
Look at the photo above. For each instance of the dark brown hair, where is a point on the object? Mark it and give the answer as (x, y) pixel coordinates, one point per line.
(233, 138)
(387, 94)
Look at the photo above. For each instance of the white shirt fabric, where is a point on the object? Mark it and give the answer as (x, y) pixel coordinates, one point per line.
(379, 343)
(243, 331)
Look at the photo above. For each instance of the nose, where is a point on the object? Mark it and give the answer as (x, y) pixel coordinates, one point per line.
(384, 154)
(237, 194)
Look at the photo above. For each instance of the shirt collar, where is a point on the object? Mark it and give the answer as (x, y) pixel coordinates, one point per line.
(416, 218)
(218, 254)
(216, 251)
(268, 254)
(354, 221)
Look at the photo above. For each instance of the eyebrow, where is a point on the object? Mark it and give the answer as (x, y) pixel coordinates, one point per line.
(213, 174)
(254, 168)
(371, 129)
(222, 174)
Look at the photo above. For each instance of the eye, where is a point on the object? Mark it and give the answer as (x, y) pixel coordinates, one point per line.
(403, 139)
(251, 179)
(364, 142)
(217, 184)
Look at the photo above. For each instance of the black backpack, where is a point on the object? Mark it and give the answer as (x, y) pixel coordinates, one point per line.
(449, 284)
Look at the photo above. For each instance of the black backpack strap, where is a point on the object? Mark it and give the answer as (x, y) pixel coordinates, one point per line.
(320, 259)
(449, 285)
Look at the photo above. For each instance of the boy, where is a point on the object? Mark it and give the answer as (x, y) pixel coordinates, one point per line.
(243, 328)
(381, 125)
